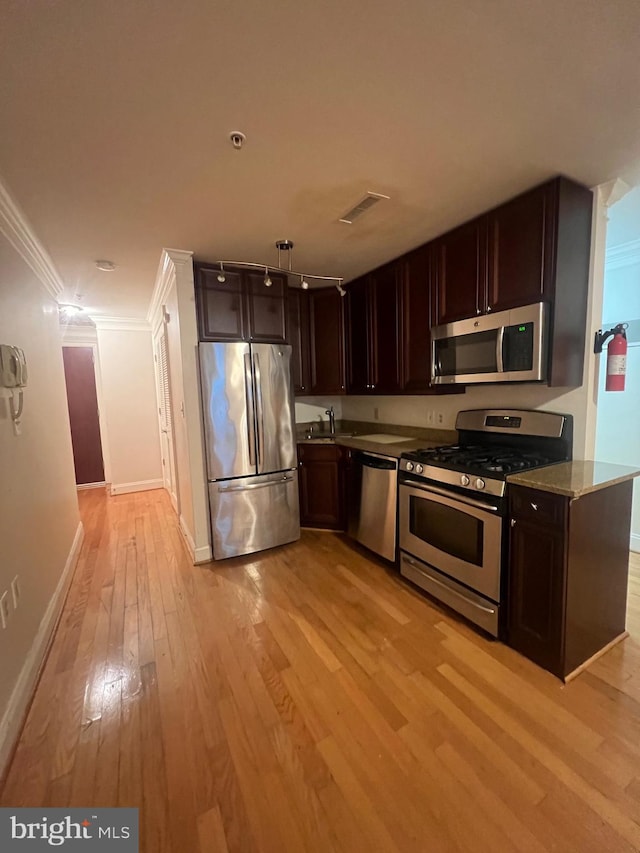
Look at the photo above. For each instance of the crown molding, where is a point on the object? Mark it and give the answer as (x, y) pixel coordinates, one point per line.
(16, 228)
(623, 255)
(78, 334)
(120, 324)
(169, 260)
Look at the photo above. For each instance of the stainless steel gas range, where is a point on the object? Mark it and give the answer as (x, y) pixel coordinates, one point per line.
(452, 505)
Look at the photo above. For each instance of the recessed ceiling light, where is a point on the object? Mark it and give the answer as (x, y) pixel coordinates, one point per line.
(106, 266)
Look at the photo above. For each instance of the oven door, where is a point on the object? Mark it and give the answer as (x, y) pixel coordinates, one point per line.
(459, 536)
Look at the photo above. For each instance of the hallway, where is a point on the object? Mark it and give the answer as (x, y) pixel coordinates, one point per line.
(308, 700)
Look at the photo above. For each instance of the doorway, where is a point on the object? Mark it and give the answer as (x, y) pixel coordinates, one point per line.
(82, 400)
(618, 413)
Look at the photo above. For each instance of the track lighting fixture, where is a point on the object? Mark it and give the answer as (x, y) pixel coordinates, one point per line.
(282, 246)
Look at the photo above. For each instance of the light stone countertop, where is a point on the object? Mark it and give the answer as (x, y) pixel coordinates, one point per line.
(574, 479)
(430, 437)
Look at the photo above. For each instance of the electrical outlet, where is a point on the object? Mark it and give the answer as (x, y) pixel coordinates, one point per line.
(439, 417)
(15, 592)
(4, 609)
(376, 413)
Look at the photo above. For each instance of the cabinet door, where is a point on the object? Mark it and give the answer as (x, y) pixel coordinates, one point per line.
(517, 259)
(461, 272)
(298, 331)
(320, 476)
(386, 326)
(416, 340)
(359, 336)
(536, 591)
(267, 308)
(221, 305)
(326, 324)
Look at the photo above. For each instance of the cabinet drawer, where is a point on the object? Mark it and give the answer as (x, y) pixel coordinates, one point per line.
(532, 504)
(319, 452)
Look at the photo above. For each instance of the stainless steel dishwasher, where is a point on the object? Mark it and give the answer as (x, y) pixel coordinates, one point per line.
(373, 506)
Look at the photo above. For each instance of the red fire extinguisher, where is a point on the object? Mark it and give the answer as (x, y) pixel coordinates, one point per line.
(616, 355)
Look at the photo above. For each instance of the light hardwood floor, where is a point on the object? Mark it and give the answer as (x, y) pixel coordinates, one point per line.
(306, 699)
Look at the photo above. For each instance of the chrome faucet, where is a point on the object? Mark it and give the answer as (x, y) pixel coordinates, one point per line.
(332, 420)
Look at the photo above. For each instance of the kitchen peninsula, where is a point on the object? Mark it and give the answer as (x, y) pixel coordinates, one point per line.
(568, 562)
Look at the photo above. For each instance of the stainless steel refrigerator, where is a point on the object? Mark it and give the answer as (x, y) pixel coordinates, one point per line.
(247, 405)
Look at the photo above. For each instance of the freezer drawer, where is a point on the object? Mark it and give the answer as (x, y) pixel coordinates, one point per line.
(254, 513)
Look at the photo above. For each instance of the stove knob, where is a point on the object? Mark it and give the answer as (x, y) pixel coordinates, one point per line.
(480, 484)
(409, 466)
(419, 468)
(465, 480)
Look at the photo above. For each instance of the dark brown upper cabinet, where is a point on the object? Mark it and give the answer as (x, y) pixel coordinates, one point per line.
(374, 304)
(359, 332)
(267, 308)
(385, 286)
(519, 251)
(460, 270)
(242, 307)
(222, 315)
(416, 321)
(298, 308)
(533, 248)
(326, 340)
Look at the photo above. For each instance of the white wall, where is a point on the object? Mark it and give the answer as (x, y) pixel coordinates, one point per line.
(312, 409)
(39, 519)
(618, 424)
(130, 407)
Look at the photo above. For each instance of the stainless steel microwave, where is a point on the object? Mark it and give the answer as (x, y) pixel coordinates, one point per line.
(509, 346)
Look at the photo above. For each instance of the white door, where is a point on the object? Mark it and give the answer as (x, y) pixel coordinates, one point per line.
(161, 357)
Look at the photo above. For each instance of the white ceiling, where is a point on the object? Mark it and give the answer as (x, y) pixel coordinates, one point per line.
(115, 120)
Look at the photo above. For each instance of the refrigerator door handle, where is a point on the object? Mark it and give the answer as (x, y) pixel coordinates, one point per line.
(248, 390)
(278, 482)
(259, 408)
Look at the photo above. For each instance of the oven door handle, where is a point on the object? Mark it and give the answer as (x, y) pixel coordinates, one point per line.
(454, 496)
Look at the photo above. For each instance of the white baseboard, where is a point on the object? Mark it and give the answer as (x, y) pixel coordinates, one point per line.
(140, 486)
(198, 555)
(634, 545)
(91, 485)
(11, 723)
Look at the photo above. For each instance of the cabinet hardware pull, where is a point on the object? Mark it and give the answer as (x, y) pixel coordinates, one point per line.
(513, 521)
(534, 506)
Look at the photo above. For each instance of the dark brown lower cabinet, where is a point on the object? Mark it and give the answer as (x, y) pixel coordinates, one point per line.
(567, 574)
(321, 479)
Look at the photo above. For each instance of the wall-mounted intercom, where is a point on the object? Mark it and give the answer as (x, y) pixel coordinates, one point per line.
(13, 367)
(13, 376)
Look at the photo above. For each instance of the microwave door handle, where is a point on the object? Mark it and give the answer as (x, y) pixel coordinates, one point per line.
(500, 350)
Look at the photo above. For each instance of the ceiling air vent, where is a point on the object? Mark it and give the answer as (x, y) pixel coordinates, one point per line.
(361, 207)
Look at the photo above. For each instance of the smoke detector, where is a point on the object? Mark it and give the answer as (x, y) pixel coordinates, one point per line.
(365, 203)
